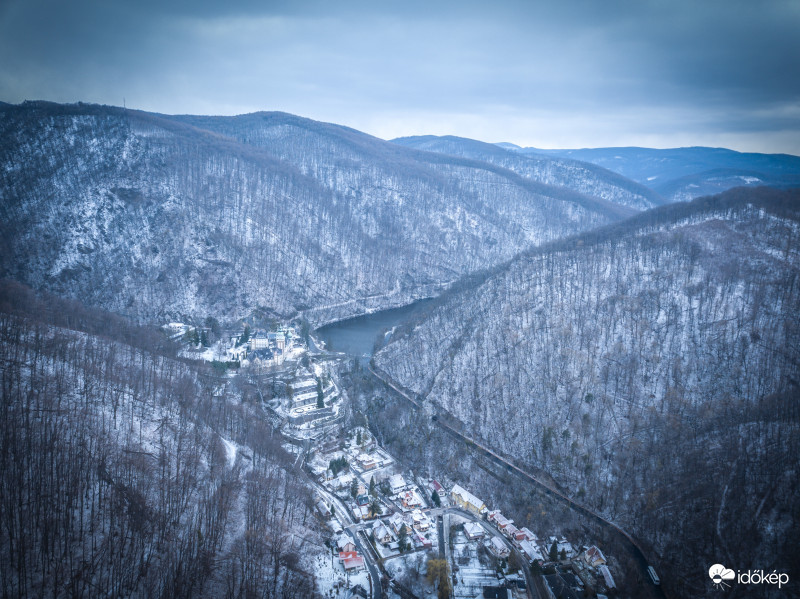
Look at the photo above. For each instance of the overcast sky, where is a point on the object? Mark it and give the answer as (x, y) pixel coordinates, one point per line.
(569, 73)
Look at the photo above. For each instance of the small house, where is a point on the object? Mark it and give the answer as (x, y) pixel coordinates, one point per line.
(397, 484)
(323, 510)
(438, 489)
(410, 500)
(351, 561)
(399, 521)
(473, 531)
(594, 557)
(531, 551)
(421, 541)
(525, 534)
(510, 530)
(367, 462)
(498, 547)
(345, 544)
(420, 520)
(382, 534)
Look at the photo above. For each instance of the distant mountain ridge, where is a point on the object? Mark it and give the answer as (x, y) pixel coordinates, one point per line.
(161, 217)
(680, 174)
(582, 176)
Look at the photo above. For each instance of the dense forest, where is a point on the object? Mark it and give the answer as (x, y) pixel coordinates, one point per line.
(158, 218)
(127, 472)
(651, 368)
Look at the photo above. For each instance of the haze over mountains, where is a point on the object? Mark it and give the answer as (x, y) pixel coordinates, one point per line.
(681, 174)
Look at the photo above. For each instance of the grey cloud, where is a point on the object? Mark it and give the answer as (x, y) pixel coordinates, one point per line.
(716, 68)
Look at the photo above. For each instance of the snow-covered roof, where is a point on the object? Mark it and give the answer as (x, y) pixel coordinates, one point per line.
(410, 498)
(499, 519)
(498, 546)
(422, 540)
(380, 531)
(531, 551)
(304, 383)
(353, 563)
(397, 520)
(467, 497)
(344, 479)
(418, 517)
(473, 529)
(607, 577)
(305, 395)
(594, 555)
(566, 546)
(343, 541)
(528, 534)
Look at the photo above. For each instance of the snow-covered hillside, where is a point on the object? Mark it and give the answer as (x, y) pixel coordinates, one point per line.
(622, 360)
(167, 218)
(584, 177)
(128, 473)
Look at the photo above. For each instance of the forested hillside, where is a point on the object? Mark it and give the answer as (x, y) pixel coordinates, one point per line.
(556, 170)
(652, 367)
(126, 472)
(165, 217)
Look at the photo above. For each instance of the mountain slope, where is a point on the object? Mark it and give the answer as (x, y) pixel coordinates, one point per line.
(622, 359)
(581, 176)
(170, 217)
(129, 473)
(681, 174)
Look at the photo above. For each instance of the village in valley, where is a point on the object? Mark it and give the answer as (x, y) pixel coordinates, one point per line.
(391, 533)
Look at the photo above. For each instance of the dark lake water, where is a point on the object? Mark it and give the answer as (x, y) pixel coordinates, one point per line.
(357, 336)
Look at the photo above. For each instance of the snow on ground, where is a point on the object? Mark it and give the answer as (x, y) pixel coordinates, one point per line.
(231, 450)
(291, 448)
(471, 576)
(397, 566)
(332, 581)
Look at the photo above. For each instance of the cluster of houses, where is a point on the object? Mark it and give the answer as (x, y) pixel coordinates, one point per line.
(524, 539)
(346, 469)
(577, 570)
(265, 348)
(590, 570)
(593, 568)
(411, 526)
(363, 459)
(350, 559)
